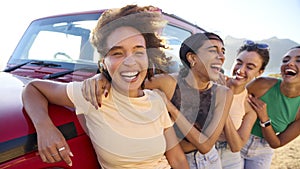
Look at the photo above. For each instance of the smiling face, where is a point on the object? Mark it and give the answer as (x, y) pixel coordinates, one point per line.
(247, 67)
(290, 66)
(126, 60)
(210, 58)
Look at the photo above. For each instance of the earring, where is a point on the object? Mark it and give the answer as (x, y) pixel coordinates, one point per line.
(100, 64)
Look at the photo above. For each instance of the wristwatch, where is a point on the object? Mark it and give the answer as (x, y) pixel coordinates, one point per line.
(265, 124)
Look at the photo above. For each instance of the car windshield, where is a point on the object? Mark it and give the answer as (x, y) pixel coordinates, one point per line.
(62, 41)
(65, 39)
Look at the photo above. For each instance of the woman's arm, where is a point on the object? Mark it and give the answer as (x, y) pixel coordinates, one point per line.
(174, 153)
(95, 87)
(224, 98)
(205, 140)
(260, 86)
(289, 134)
(238, 138)
(164, 82)
(36, 96)
(269, 134)
(187, 146)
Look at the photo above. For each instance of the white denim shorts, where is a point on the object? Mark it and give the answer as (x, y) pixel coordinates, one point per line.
(257, 153)
(204, 161)
(229, 159)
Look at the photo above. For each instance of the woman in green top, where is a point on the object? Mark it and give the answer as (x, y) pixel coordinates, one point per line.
(276, 102)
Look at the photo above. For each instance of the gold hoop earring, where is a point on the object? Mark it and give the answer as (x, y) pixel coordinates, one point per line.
(192, 64)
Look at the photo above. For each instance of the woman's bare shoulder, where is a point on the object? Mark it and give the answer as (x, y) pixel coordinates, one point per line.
(161, 78)
(163, 82)
(264, 80)
(222, 91)
(222, 88)
(261, 85)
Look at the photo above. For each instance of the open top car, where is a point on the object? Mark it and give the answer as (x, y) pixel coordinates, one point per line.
(58, 48)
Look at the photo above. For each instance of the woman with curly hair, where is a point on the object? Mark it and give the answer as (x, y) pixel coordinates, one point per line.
(133, 128)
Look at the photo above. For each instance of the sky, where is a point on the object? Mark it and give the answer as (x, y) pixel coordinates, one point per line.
(251, 19)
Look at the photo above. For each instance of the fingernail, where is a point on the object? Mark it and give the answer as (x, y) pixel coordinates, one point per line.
(71, 154)
(70, 164)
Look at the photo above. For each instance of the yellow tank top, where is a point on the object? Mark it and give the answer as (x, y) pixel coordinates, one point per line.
(237, 111)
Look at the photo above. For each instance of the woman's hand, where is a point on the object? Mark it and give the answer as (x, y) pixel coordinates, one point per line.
(93, 88)
(168, 103)
(222, 79)
(259, 106)
(52, 146)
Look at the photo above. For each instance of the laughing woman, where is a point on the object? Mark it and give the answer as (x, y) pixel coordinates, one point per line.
(252, 59)
(128, 131)
(276, 102)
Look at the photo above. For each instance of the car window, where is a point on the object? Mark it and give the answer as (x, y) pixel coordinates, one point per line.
(176, 32)
(55, 46)
(68, 42)
(173, 37)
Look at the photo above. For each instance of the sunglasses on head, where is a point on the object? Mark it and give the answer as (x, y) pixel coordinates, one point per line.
(257, 45)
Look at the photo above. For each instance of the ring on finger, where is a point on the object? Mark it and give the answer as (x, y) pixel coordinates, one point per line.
(62, 148)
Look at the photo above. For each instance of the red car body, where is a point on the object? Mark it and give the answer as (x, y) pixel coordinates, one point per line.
(18, 142)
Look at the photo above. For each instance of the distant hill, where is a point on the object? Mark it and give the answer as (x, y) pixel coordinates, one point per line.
(278, 48)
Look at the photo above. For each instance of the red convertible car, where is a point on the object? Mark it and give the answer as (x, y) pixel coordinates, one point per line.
(58, 48)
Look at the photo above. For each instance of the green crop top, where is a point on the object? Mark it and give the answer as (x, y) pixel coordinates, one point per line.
(282, 110)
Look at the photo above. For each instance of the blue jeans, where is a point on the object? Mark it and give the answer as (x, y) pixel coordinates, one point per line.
(229, 159)
(257, 153)
(209, 160)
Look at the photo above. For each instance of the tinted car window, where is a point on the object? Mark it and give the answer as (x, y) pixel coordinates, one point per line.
(173, 37)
